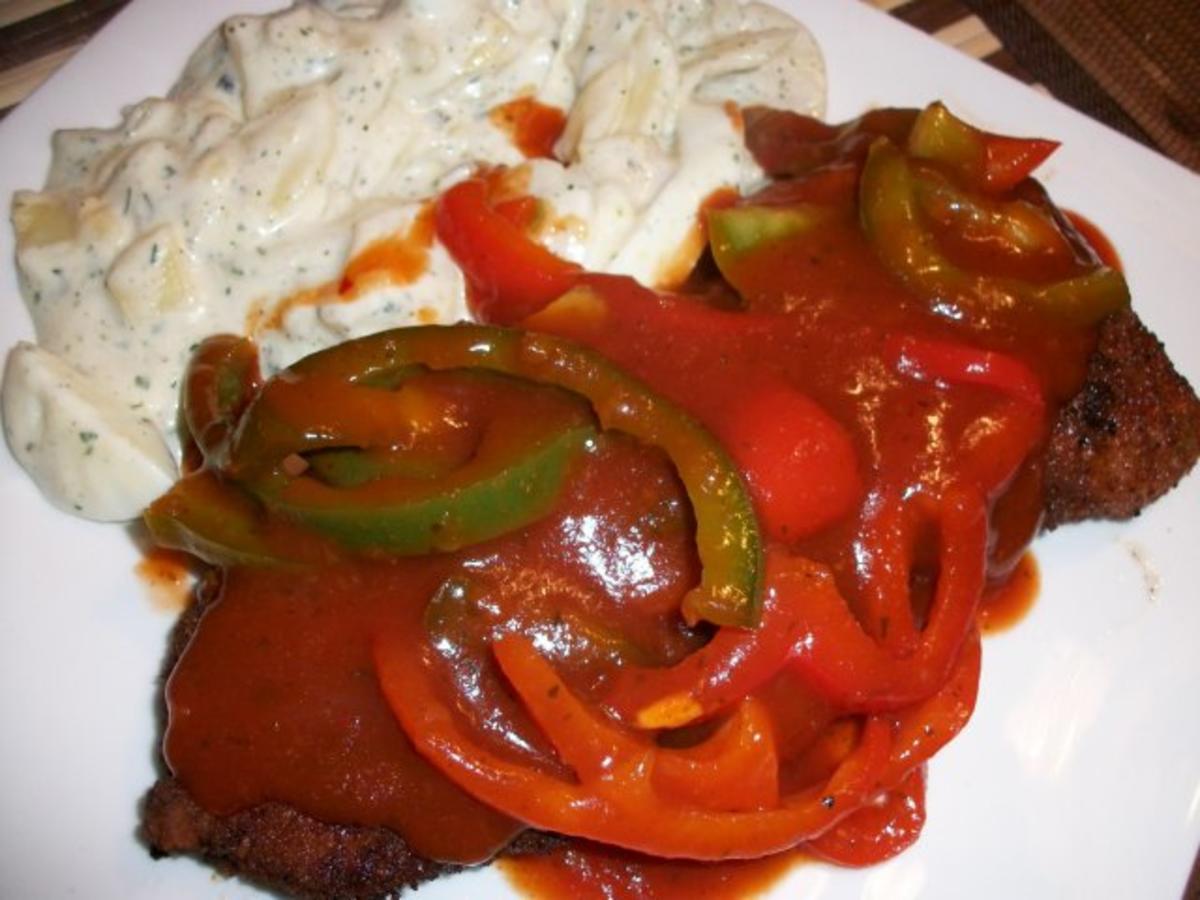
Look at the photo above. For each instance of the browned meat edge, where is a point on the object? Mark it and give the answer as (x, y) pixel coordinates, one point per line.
(275, 845)
(278, 847)
(1129, 435)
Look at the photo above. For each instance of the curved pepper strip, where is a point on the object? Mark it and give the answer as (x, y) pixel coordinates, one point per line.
(799, 462)
(994, 162)
(926, 359)
(736, 234)
(512, 478)
(727, 534)
(884, 548)
(221, 379)
(924, 728)
(352, 467)
(614, 799)
(876, 833)
(808, 627)
(787, 144)
(892, 220)
(736, 769)
(1017, 228)
(495, 493)
(220, 524)
(997, 452)
(510, 275)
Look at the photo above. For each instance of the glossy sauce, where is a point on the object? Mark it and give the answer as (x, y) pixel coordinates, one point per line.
(595, 872)
(534, 127)
(1096, 238)
(276, 699)
(1007, 603)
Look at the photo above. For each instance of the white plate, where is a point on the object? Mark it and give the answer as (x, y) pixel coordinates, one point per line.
(1080, 774)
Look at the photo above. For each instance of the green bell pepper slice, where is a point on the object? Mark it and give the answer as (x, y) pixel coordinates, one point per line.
(737, 230)
(736, 233)
(221, 380)
(891, 217)
(213, 520)
(494, 494)
(994, 163)
(727, 535)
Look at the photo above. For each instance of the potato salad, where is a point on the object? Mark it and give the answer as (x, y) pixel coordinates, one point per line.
(294, 141)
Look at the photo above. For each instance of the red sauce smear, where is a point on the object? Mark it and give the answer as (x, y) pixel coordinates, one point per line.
(1096, 238)
(1007, 603)
(533, 126)
(276, 697)
(587, 871)
(397, 259)
(167, 575)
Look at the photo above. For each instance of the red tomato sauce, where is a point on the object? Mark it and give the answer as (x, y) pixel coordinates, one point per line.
(167, 577)
(397, 259)
(534, 127)
(1008, 602)
(276, 697)
(596, 872)
(1096, 238)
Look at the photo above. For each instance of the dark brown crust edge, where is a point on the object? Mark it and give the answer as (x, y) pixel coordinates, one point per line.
(276, 846)
(1129, 435)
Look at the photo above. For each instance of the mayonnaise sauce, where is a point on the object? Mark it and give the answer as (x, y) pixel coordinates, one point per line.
(293, 141)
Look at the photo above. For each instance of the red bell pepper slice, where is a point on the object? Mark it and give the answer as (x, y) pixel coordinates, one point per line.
(510, 275)
(614, 798)
(1007, 161)
(995, 163)
(924, 728)
(878, 831)
(807, 626)
(736, 769)
(926, 359)
(996, 452)
(799, 462)
(221, 380)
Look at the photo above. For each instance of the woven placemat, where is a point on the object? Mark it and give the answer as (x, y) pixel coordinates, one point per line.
(1132, 64)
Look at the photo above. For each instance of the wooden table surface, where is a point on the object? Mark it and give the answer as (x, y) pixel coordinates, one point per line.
(1132, 64)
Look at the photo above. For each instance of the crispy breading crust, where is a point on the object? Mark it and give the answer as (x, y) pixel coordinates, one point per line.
(277, 846)
(1129, 435)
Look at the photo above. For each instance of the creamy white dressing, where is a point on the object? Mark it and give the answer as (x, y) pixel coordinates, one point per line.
(294, 140)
